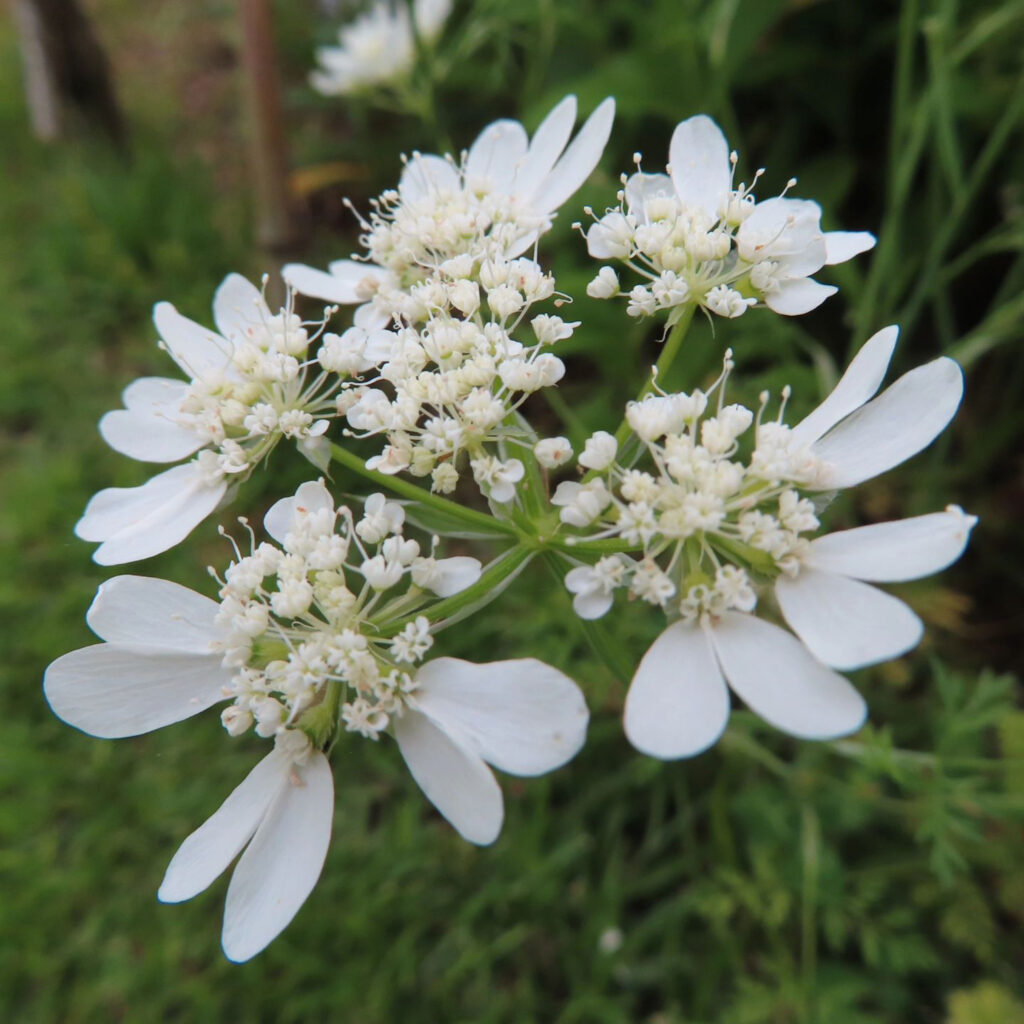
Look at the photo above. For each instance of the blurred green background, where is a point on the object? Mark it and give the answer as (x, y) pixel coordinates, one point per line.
(879, 879)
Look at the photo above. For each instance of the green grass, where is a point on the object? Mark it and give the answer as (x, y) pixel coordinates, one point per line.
(766, 882)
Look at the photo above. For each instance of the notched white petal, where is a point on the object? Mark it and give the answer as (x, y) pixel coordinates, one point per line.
(208, 851)
(860, 382)
(902, 420)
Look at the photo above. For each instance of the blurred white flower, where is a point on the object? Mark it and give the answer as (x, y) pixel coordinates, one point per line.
(378, 47)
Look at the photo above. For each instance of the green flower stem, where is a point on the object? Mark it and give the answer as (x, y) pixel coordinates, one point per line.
(571, 546)
(478, 521)
(810, 851)
(492, 582)
(669, 351)
(738, 740)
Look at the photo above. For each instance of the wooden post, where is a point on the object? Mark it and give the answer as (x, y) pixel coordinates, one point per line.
(41, 91)
(275, 219)
(65, 69)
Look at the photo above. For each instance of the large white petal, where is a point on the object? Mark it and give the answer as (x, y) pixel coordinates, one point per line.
(281, 865)
(862, 379)
(116, 508)
(783, 682)
(424, 174)
(698, 156)
(546, 146)
(112, 690)
(156, 613)
(902, 420)
(906, 549)
(785, 230)
(798, 296)
(841, 246)
(161, 528)
(678, 703)
(311, 497)
(207, 852)
(147, 428)
(238, 308)
(575, 165)
(197, 350)
(137, 522)
(453, 575)
(453, 778)
(496, 153)
(845, 623)
(521, 716)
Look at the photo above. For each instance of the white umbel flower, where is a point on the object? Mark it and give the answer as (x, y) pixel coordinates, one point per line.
(758, 520)
(520, 181)
(698, 238)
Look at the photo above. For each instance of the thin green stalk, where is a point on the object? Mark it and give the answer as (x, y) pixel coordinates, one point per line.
(810, 843)
(470, 517)
(492, 582)
(963, 203)
(743, 743)
(594, 633)
(668, 355)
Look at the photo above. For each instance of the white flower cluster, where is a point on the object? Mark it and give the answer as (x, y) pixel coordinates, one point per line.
(444, 266)
(702, 518)
(698, 240)
(454, 381)
(250, 386)
(296, 618)
(705, 510)
(713, 529)
(324, 631)
(378, 47)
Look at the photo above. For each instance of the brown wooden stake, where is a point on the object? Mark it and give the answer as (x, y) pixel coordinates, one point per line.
(275, 214)
(41, 90)
(65, 69)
